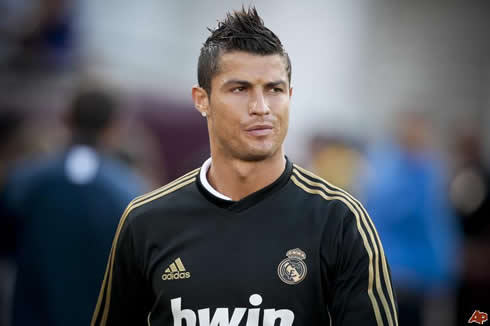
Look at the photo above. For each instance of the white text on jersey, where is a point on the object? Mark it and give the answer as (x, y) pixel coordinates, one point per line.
(221, 316)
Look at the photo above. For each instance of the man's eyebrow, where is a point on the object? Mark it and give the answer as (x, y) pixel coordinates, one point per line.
(276, 83)
(236, 82)
(271, 84)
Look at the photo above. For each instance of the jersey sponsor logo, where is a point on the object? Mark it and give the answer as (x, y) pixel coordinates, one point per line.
(292, 270)
(176, 271)
(221, 316)
(478, 317)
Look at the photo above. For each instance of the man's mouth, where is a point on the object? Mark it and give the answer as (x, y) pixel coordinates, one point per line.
(260, 130)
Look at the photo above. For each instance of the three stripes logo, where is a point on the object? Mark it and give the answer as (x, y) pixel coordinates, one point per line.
(176, 271)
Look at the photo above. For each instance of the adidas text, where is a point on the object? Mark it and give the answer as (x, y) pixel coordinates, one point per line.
(175, 276)
(221, 316)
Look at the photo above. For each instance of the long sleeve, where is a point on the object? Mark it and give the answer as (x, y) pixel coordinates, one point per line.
(360, 289)
(124, 298)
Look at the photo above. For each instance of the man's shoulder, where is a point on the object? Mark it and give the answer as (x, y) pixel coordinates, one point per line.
(164, 197)
(316, 188)
(338, 208)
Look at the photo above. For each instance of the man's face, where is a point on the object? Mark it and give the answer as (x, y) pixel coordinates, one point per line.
(249, 106)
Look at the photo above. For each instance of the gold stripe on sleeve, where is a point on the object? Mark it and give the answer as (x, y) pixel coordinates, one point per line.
(109, 285)
(137, 202)
(371, 230)
(102, 290)
(374, 303)
(168, 185)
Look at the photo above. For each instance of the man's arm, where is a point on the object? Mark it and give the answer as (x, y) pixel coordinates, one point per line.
(360, 290)
(124, 298)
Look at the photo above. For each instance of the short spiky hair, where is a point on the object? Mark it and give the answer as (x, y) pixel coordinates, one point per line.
(242, 30)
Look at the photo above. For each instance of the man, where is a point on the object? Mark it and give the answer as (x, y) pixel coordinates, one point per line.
(472, 209)
(66, 206)
(420, 233)
(12, 150)
(249, 238)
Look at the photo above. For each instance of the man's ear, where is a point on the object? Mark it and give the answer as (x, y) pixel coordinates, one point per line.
(201, 100)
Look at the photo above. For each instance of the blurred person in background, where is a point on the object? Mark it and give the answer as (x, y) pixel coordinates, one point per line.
(404, 190)
(12, 149)
(249, 229)
(338, 160)
(36, 35)
(470, 197)
(67, 206)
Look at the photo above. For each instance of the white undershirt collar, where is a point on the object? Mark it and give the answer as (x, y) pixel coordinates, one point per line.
(204, 180)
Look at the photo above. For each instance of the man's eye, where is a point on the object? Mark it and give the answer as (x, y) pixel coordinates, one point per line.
(277, 90)
(238, 89)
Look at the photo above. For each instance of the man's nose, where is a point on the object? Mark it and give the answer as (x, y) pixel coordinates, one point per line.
(258, 104)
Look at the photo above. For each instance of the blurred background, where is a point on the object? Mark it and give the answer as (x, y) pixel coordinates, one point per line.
(391, 102)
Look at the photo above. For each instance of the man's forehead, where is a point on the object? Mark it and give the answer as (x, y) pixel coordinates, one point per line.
(239, 63)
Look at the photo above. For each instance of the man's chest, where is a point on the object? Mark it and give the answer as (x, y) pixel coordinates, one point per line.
(245, 271)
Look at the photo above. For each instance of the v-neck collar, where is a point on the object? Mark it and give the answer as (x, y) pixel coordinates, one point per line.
(244, 203)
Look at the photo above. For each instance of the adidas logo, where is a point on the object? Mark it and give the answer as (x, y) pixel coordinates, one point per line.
(176, 271)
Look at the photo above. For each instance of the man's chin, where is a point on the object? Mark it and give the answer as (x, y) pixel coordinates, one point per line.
(257, 155)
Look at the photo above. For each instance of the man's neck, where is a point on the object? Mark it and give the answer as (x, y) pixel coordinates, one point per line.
(237, 179)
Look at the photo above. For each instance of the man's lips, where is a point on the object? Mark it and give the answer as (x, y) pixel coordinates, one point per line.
(260, 130)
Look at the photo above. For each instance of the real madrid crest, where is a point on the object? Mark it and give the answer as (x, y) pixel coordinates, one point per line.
(292, 270)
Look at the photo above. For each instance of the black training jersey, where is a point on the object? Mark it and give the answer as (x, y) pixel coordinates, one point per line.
(298, 252)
